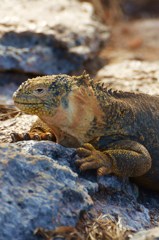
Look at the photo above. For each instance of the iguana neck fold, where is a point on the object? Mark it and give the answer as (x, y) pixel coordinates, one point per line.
(79, 117)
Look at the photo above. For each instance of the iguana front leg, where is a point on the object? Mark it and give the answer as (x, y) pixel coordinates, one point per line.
(124, 158)
(38, 131)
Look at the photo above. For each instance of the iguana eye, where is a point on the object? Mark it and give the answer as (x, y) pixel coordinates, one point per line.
(39, 91)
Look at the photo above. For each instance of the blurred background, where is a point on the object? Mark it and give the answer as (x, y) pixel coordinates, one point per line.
(40, 37)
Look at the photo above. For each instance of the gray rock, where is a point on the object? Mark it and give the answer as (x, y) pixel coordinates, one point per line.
(115, 184)
(40, 187)
(124, 207)
(134, 76)
(21, 124)
(152, 234)
(56, 38)
(38, 191)
(119, 198)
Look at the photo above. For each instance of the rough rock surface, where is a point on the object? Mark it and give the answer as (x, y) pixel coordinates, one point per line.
(119, 198)
(41, 187)
(152, 234)
(56, 38)
(6, 93)
(38, 191)
(131, 76)
(20, 124)
(9, 82)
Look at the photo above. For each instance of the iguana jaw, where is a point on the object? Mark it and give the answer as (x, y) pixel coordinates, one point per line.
(76, 120)
(31, 104)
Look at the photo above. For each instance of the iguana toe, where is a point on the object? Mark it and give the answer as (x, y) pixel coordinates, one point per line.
(103, 171)
(88, 146)
(82, 152)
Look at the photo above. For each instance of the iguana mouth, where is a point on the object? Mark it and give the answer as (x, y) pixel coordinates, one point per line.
(26, 103)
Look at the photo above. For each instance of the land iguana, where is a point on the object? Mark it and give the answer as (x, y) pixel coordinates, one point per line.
(114, 132)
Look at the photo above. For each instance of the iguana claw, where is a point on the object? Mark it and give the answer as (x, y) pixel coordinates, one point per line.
(93, 159)
(16, 137)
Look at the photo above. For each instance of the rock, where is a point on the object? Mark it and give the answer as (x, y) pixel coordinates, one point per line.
(115, 184)
(56, 38)
(41, 187)
(131, 76)
(6, 93)
(21, 124)
(38, 191)
(120, 200)
(9, 82)
(152, 234)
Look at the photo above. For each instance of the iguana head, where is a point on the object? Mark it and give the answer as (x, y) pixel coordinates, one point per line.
(43, 95)
(67, 102)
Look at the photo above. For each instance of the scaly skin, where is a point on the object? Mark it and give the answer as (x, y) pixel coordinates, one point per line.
(115, 132)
